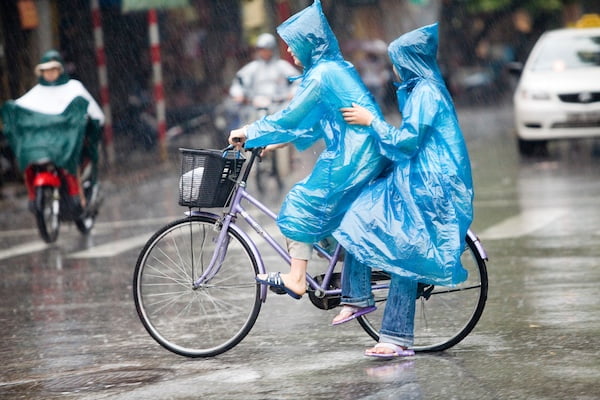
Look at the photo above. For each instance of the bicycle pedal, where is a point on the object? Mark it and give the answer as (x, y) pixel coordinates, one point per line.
(277, 290)
(424, 290)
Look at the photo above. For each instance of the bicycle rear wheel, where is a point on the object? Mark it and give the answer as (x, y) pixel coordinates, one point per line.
(200, 322)
(445, 316)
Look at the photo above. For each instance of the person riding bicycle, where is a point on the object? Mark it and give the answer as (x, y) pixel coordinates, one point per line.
(314, 207)
(413, 221)
(53, 94)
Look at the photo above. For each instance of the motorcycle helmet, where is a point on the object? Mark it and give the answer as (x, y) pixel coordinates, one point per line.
(266, 41)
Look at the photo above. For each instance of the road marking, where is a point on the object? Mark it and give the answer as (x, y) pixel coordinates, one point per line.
(105, 250)
(519, 225)
(109, 249)
(99, 227)
(117, 247)
(21, 249)
(525, 223)
(112, 249)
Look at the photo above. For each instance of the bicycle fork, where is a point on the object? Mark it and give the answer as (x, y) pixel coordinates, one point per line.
(218, 256)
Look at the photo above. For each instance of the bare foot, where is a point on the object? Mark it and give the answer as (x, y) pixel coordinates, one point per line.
(388, 350)
(348, 313)
(382, 350)
(345, 312)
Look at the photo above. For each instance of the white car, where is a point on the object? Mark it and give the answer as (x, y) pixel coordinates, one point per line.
(558, 94)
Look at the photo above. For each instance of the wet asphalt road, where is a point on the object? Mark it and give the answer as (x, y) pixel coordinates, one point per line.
(70, 330)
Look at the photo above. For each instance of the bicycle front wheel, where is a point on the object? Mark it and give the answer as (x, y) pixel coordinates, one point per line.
(444, 316)
(210, 319)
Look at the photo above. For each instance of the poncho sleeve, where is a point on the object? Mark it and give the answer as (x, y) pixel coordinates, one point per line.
(418, 116)
(94, 110)
(294, 124)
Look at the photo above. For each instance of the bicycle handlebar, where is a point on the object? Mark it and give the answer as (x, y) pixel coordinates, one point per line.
(257, 149)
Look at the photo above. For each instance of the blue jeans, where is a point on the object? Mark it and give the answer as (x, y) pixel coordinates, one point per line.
(398, 322)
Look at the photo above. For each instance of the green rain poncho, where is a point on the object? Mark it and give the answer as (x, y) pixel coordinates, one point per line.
(34, 136)
(56, 121)
(315, 206)
(413, 222)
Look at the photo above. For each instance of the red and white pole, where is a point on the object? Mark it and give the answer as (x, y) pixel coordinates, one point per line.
(103, 80)
(159, 94)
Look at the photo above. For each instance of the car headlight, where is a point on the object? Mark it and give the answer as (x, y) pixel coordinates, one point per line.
(534, 94)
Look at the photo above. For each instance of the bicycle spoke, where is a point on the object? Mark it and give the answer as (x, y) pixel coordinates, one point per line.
(205, 320)
(445, 316)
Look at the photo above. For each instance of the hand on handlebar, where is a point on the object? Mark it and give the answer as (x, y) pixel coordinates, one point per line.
(272, 147)
(237, 137)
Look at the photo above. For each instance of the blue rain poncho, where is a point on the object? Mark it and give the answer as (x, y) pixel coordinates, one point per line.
(315, 206)
(413, 222)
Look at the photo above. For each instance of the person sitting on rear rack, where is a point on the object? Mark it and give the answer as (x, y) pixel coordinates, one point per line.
(411, 222)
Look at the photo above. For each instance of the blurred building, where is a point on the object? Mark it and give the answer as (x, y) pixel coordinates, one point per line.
(202, 44)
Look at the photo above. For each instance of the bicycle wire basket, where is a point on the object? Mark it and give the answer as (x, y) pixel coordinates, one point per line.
(208, 176)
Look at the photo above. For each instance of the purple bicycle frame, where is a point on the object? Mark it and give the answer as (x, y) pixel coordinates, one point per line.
(228, 222)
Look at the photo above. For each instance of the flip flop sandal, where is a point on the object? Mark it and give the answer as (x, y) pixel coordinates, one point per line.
(397, 351)
(274, 280)
(353, 312)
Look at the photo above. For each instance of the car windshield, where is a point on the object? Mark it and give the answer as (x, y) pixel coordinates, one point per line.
(561, 53)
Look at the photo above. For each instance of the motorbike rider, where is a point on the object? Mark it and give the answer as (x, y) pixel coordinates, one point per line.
(263, 87)
(52, 94)
(265, 80)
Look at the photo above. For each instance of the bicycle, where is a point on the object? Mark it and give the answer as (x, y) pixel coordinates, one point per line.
(194, 286)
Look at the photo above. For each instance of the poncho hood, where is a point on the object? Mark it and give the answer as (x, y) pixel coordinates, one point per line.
(52, 59)
(414, 54)
(310, 37)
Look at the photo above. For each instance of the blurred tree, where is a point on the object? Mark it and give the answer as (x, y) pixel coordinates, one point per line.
(543, 13)
(469, 23)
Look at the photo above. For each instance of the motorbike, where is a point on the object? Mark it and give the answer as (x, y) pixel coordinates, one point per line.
(260, 107)
(55, 199)
(58, 154)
